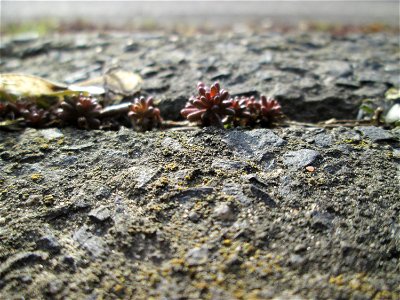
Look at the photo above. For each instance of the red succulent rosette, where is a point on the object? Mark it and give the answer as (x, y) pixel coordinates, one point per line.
(270, 111)
(210, 107)
(253, 112)
(144, 115)
(81, 111)
(34, 116)
(6, 111)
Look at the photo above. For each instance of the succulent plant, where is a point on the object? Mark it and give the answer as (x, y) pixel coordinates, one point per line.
(29, 112)
(9, 121)
(33, 115)
(252, 112)
(239, 106)
(143, 115)
(6, 113)
(245, 110)
(210, 107)
(81, 111)
(270, 111)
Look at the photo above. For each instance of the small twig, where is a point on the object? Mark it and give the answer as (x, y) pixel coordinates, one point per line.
(333, 123)
(303, 124)
(114, 110)
(178, 125)
(377, 116)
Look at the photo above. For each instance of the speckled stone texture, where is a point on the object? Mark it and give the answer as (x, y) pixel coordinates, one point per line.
(285, 213)
(315, 76)
(95, 214)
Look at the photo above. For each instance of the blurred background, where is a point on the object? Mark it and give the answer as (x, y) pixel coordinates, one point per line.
(69, 15)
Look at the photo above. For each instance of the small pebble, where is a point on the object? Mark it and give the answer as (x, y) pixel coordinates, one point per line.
(197, 256)
(51, 133)
(48, 199)
(49, 243)
(296, 260)
(54, 287)
(26, 279)
(101, 213)
(33, 199)
(310, 169)
(300, 158)
(194, 216)
(299, 248)
(223, 212)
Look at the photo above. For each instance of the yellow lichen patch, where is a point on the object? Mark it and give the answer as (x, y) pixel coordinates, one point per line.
(357, 143)
(262, 268)
(253, 295)
(360, 283)
(162, 181)
(355, 284)
(181, 188)
(48, 199)
(227, 242)
(118, 289)
(171, 166)
(44, 146)
(201, 285)
(148, 276)
(239, 293)
(235, 262)
(36, 177)
(338, 280)
(386, 295)
(156, 208)
(206, 181)
(247, 248)
(219, 172)
(199, 205)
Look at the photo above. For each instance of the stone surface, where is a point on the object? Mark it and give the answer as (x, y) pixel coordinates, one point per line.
(194, 216)
(94, 244)
(393, 114)
(376, 134)
(100, 214)
(261, 195)
(206, 213)
(197, 256)
(50, 243)
(228, 165)
(252, 144)
(334, 68)
(236, 190)
(300, 158)
(51, 133)
(307, 72)
(323, 140)
(223, 212)
(199, 210)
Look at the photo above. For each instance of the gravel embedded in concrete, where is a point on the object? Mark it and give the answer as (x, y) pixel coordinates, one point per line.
(206, 213)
